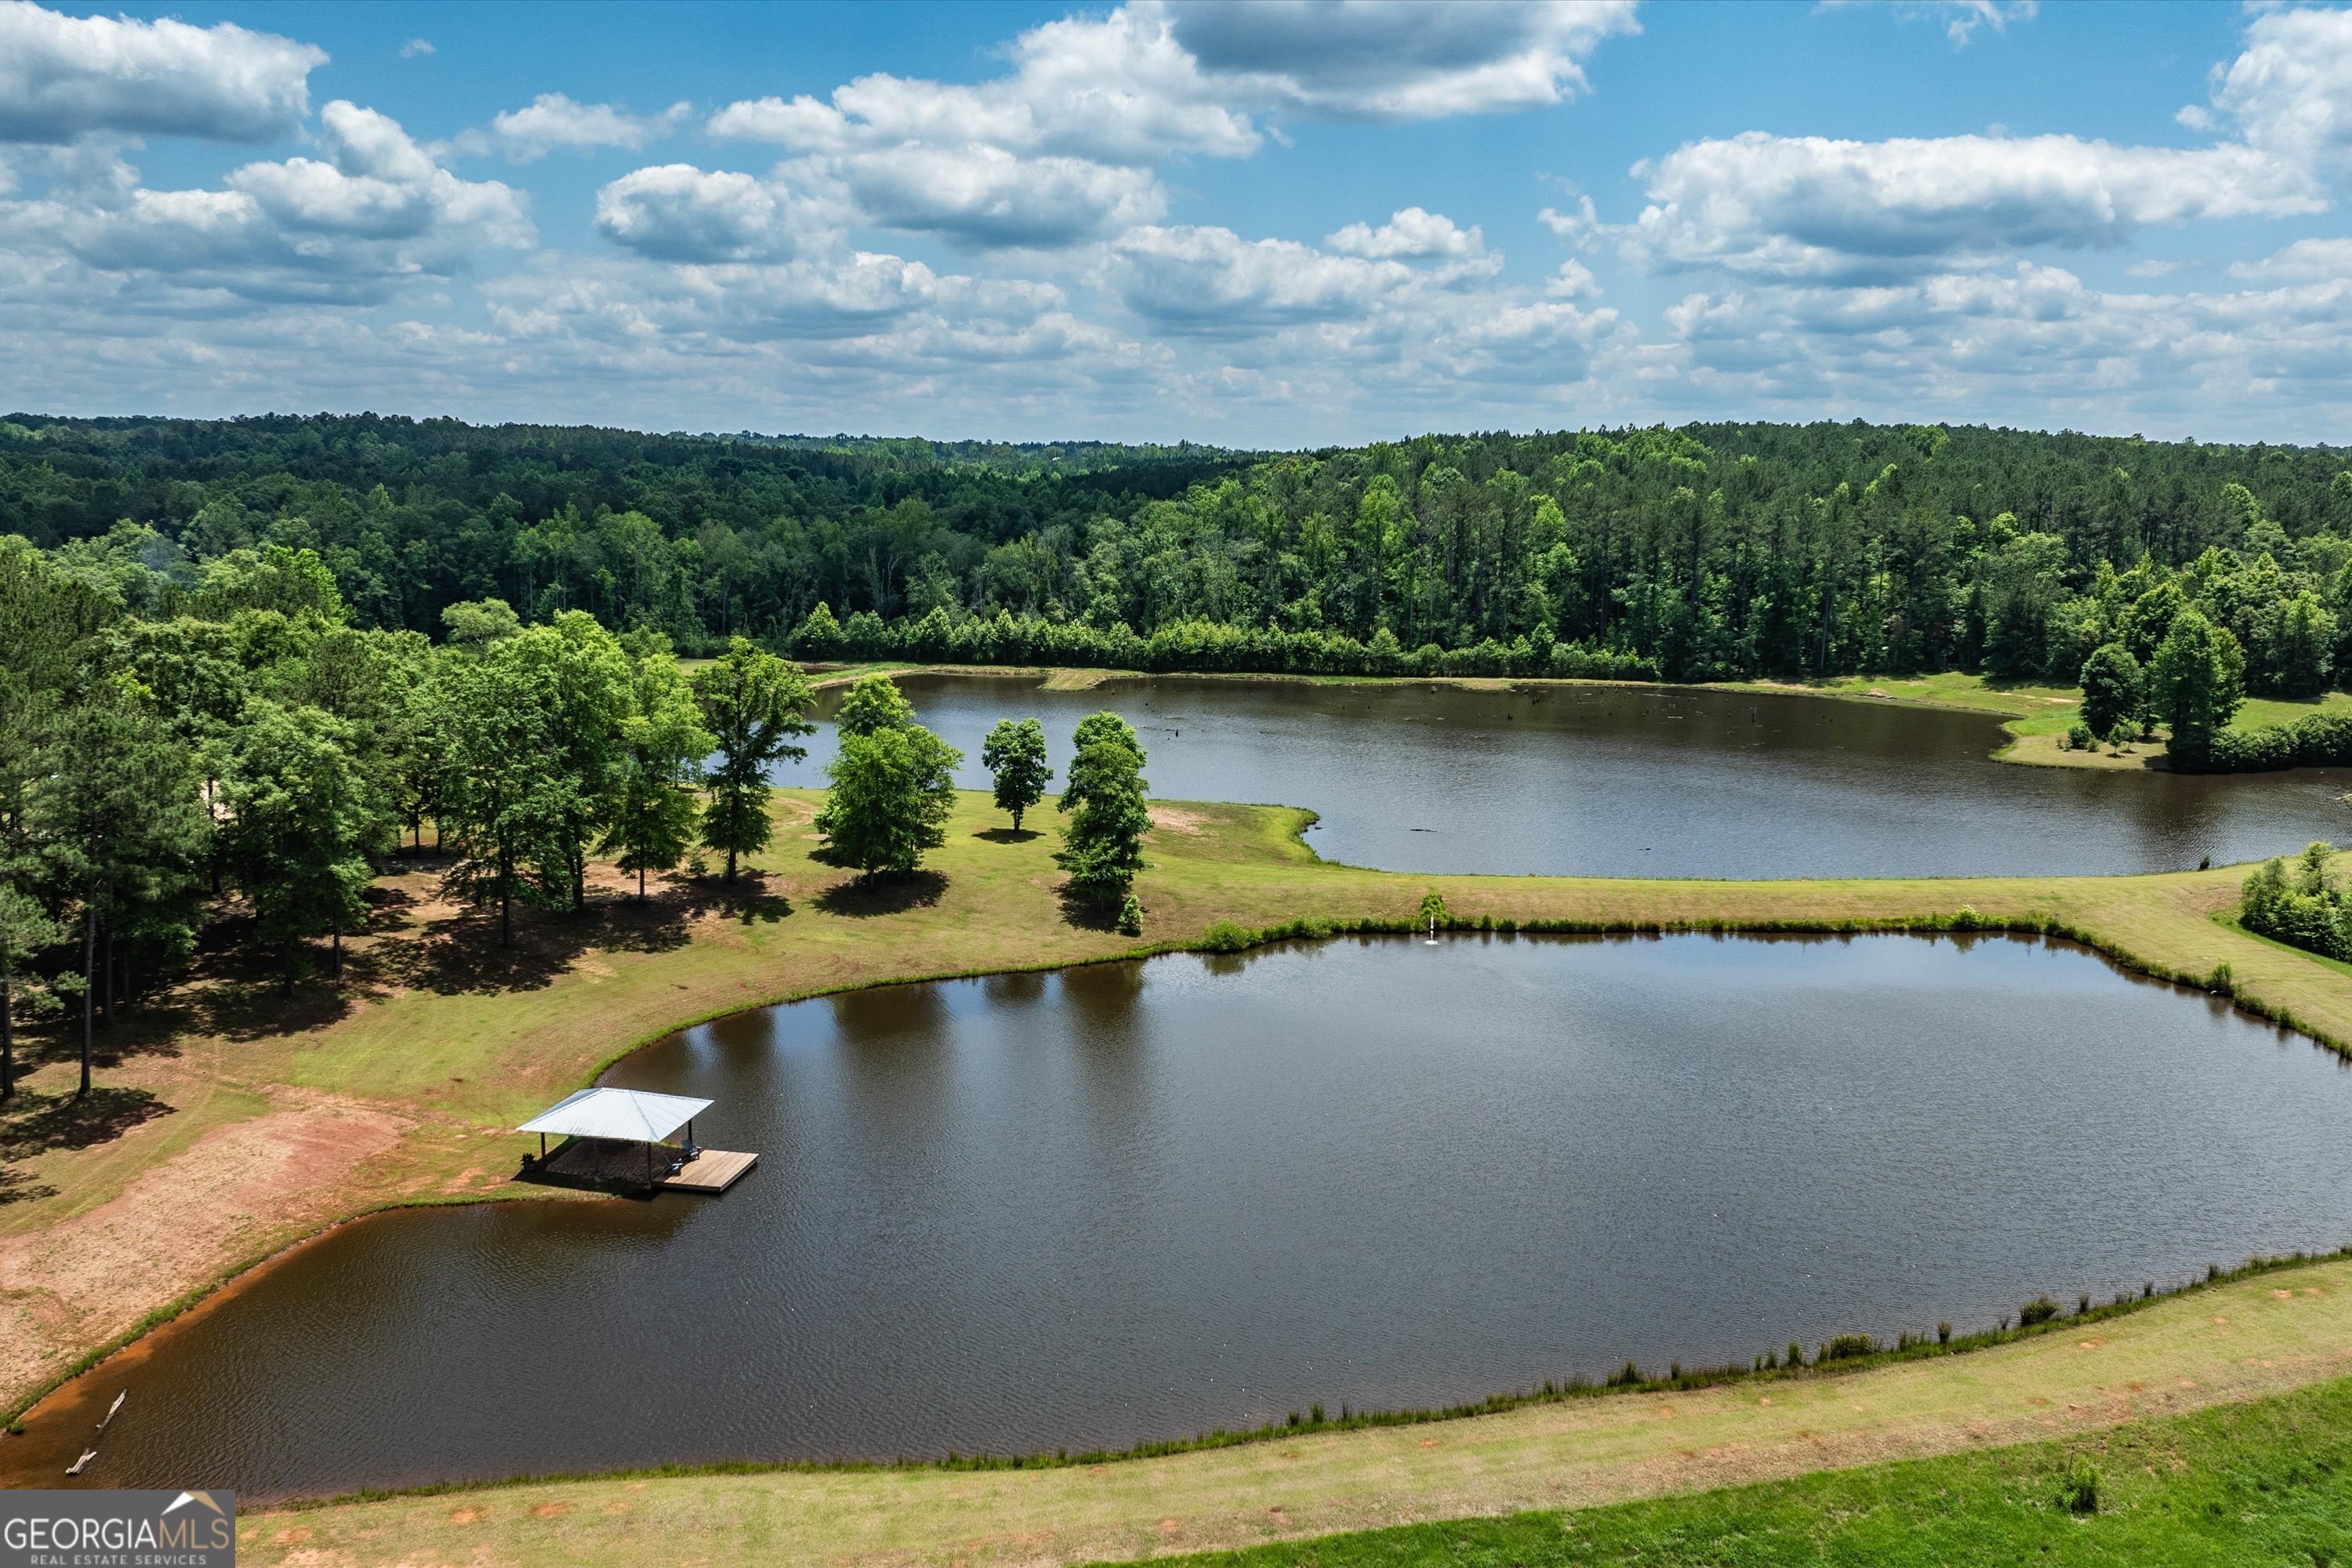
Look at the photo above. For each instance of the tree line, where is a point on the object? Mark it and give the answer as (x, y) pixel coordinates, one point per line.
(257, 745)
(1705, 552)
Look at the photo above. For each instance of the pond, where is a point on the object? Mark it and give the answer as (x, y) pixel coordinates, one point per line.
(1631, 781)
(1142, 1200)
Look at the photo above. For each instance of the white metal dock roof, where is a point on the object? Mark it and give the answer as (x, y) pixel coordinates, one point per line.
(628, 1114)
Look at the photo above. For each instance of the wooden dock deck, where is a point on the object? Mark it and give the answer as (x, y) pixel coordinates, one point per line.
(616, 1165)
(711, 1171)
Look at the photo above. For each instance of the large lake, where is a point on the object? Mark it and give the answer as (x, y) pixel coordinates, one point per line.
(1142, 1200)
(1631, 781)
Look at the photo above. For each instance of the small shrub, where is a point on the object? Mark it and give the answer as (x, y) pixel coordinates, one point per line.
(1627, 1378)
(1848, 1347)
(1943, 1334)
(2040, 1310)
(1225, 936)
(2081, 1304)
(2079, 737)
(2078, 1489)
(1131, 917)
(2221, 983)
(1796, 1354)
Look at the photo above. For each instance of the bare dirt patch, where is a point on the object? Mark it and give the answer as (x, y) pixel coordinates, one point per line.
(1176, 819)
(89, 1277)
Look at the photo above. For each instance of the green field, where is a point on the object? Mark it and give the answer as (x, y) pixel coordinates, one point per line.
(2263, 1483)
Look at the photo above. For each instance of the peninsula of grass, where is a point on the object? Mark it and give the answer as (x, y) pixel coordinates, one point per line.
(231, 1123)
(2035, 717)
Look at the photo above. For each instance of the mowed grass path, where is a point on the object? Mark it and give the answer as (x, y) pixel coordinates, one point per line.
(2229, 1343)
(2261, 1485)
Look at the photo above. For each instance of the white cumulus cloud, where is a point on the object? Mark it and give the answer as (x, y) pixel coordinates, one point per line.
(1116, 90)
(677, 212)
(62, 77)
(1064, 149)
(555, 122)
(1810, 206)
(1410, 232)
(1212, 281)
(1393, 59)
(376, 210)
(985, 196)
(2304, 261)
(2291, 89)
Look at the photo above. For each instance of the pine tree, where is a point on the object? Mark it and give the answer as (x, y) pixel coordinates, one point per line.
(115, 815)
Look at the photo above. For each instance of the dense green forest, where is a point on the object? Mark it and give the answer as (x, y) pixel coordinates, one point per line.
(1709, 551)
(251, 657)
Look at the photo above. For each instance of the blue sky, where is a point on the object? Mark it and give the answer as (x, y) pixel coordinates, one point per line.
(1276, 224)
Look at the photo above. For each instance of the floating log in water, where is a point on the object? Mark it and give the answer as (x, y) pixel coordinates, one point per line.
(87, 1456)
(114, 1407)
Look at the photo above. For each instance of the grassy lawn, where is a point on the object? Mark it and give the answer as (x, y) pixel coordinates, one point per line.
(2211, 1349)
(2265, 1483)
(2038, 706)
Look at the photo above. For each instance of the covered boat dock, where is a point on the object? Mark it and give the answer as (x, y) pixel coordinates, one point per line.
(620, 1137)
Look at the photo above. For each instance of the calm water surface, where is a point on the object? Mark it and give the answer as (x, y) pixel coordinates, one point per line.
(1142, 1200)
(1645, 781)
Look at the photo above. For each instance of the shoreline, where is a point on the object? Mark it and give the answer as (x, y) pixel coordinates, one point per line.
(2224, 1343)
(1251, 866)
(2033, 717)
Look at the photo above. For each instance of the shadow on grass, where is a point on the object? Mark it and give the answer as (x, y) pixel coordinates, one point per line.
(746, 900)
(462, 953)
(17, 1187)
(36, 1124)
(1086, 913)
(1007, 835)
(410, 940)
(882, 893)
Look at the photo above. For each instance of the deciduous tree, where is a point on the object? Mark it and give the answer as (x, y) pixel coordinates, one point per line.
(1014, 753)
(299, 821)
(1102, 846)
(2196, 684)
(756, 705)
(2112, 694)
(892, 790)
(874, 703)
(653, 826)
